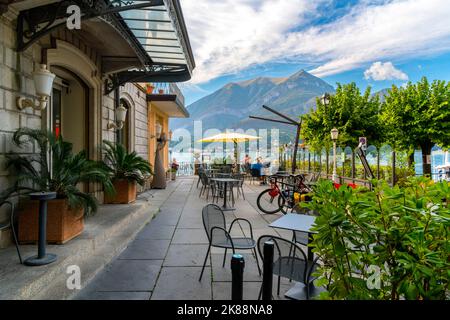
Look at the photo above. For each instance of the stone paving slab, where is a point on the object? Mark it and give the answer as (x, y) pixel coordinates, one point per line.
(186, 255)
(181, 283)
(156, 232)
(117, 296)
(222, 290)
(141, 249)
(166, 220)
(190, 236)
(127, 276)
(173, 246)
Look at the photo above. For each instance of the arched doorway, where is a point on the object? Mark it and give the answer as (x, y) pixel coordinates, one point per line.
(69, 112)
(68, 58)
(77, 90)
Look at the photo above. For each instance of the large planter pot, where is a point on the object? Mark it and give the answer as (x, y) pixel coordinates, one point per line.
(125, 192)
(63, 222)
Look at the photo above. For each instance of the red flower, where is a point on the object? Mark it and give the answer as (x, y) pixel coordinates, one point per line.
(348, 185)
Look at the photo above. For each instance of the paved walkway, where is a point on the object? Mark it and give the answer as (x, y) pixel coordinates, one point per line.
(165, 259)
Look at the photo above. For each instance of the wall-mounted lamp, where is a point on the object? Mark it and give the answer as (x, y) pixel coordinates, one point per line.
(43, 82)
(158, 131)
(121, 116)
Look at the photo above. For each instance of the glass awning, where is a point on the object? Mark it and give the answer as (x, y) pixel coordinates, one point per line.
(157, 29)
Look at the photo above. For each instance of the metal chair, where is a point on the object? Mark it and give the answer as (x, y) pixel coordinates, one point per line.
(239, 185)
(255, 174)
(218, 236)
(199, 170)
(290, 261)
(11, 224)
(206, 185)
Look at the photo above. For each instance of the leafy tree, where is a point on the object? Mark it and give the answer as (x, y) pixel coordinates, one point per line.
(352, 113)
(418, 115)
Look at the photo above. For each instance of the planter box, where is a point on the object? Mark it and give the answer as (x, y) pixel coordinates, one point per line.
(125, 192)
(63, 223)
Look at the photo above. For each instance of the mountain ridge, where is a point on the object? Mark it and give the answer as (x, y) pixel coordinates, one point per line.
(230, 106)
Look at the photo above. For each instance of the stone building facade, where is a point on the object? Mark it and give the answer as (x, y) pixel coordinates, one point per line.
(79, 107)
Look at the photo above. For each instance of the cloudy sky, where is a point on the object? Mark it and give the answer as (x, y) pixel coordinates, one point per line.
(371, 42)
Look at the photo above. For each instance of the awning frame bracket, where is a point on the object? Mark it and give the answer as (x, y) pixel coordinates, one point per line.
(34, 23)
(154, 73)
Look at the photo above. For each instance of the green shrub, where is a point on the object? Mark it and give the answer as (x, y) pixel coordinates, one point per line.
(389, 243)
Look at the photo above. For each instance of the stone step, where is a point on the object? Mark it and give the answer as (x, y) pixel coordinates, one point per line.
(105, 236)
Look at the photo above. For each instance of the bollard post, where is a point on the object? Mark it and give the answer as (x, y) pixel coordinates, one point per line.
(268, 271)
(237, 273)
(42, 258)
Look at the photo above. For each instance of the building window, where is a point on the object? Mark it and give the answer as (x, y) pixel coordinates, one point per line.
(56, 112)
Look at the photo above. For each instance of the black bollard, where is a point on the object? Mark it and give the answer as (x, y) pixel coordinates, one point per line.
(267, 271)
(237, 280)
(42, 257)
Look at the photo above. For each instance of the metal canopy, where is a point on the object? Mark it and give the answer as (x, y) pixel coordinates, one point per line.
(159, 31)
(155, 29)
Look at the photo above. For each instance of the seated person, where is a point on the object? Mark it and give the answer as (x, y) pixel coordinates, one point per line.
(257, 170)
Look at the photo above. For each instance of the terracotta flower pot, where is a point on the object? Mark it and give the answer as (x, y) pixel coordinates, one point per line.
(161, 91)
(150, 89)
(63, 223)
(125, 192)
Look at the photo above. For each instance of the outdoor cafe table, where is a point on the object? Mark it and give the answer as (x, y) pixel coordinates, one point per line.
(225, 181)
(296, 222)
(302, 223)
(223, 175)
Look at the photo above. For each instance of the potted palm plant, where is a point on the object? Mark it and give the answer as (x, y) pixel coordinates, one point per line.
(63, 174)
(125, 170)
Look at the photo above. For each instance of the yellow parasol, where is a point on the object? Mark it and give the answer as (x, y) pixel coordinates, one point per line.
(230, 137)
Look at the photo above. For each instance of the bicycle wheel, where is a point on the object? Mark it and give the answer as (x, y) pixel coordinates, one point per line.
(284, 206)
(266, 203)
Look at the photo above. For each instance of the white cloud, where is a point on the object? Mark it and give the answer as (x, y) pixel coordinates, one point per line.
(191, 87)
(379, 71)
(229, 36)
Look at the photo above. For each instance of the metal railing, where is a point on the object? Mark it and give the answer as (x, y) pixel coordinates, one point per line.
(168, 88)
(384, 162)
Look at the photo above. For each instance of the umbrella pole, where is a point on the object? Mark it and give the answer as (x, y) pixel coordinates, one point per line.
(236, 160)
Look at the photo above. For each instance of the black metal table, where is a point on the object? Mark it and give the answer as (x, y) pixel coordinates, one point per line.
(42, 258)
(301, 223)
(225, 181)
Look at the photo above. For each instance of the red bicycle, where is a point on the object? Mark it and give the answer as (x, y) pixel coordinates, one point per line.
(282, 199)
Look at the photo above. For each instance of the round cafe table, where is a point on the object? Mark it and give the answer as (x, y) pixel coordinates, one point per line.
(42, 258)
(225, 181)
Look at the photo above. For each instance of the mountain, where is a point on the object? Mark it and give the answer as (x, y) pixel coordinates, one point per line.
(231, 106)
(383, 93)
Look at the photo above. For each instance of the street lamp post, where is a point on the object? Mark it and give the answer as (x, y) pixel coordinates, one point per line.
(334, 138)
